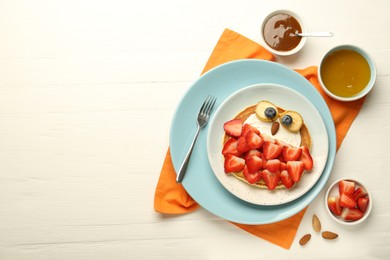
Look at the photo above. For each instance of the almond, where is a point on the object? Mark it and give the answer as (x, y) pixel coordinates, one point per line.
(303, 241)
(316, 224)
(275, 127)
(329, 235)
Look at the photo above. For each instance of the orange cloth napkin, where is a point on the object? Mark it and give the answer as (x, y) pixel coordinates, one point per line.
(172, 198)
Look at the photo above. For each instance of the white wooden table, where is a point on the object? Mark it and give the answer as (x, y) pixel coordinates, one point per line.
(88, 89)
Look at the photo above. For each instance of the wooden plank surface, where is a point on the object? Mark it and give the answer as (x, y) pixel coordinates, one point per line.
(88, 90)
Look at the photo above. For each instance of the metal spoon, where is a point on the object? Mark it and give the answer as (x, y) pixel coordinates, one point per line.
(315, 34)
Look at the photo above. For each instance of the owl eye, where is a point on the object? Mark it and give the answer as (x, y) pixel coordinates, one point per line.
(266, 111)
(287, 120)
(270, 113)
(291, 120)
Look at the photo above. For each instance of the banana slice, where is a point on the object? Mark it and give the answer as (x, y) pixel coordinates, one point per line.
(266, 111)
(291, 120)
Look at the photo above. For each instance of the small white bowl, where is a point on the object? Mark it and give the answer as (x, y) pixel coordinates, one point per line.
(369, 85)
(302, 41)
(333, 190)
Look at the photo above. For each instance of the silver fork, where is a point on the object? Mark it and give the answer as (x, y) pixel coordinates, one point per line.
(203, 117)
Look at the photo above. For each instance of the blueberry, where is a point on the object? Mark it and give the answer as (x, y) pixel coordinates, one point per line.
(270, 112)
(287, 120)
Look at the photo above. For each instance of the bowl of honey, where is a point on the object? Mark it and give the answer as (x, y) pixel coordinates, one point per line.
(278, 32)
(347, 73)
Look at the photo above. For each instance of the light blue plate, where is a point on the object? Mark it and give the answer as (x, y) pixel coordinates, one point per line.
(200, 181)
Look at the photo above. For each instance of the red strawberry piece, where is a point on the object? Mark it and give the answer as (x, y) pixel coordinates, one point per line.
(282, 143)
(267, 138)
(254, 140)
(233, 163)
(362, 204)
(251, 153)
(242, 145)
(271, 150)
(346, 187)
(291, 153)
(351, 214)
(273, 165)
(264, 161)
(359, 193)
(254, 163)
(346, 201)
(283, 166)
(295, 170)
(286, 179)
(247, 127)
(271, 179)
(281, 158)
(233, 127)
(306, 158)
(334, 205)
(230, 147)
(251, 177)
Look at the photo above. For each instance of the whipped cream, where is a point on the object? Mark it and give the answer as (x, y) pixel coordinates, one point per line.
(283, 134)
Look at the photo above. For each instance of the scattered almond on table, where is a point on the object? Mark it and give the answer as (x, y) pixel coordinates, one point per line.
(329, 235)
(303, 241)
(316, 224)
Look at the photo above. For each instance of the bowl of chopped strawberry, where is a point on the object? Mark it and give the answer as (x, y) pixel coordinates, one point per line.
(348, 201)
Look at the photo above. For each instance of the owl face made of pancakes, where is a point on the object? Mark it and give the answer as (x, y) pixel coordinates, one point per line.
(292, 136)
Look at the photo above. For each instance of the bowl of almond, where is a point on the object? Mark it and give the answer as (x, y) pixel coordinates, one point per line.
(348, 201)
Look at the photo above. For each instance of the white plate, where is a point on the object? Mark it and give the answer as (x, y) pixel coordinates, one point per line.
(286, 98)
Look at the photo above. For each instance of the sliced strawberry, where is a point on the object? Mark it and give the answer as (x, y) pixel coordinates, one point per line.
(247, 127)
(359, 193)
(273, 165)
(271, 150)
(286, 179)
(233, 127)
(281, 158)
(351, 214)
(242, 145)
(254, 140)
(230, 147)
(295, 170)
(233, 163)
(254, 163)
(346, 187)
(267, 138)
(251, 153)
(282, 143)
(306, 158)
(291, 153)
(264, 161)
(334, 205)
(271, 179)
(362, 204)
(346, 201)
(283, 166)
(252, 177)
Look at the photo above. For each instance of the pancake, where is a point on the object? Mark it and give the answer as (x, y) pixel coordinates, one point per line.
(305, 141)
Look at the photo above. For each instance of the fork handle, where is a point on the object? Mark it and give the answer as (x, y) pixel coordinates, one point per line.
(183, 167)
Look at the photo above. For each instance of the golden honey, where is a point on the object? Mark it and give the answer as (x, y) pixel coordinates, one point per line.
(345, 73)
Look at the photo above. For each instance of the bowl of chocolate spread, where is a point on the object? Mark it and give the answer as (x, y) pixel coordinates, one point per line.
(278, 32)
